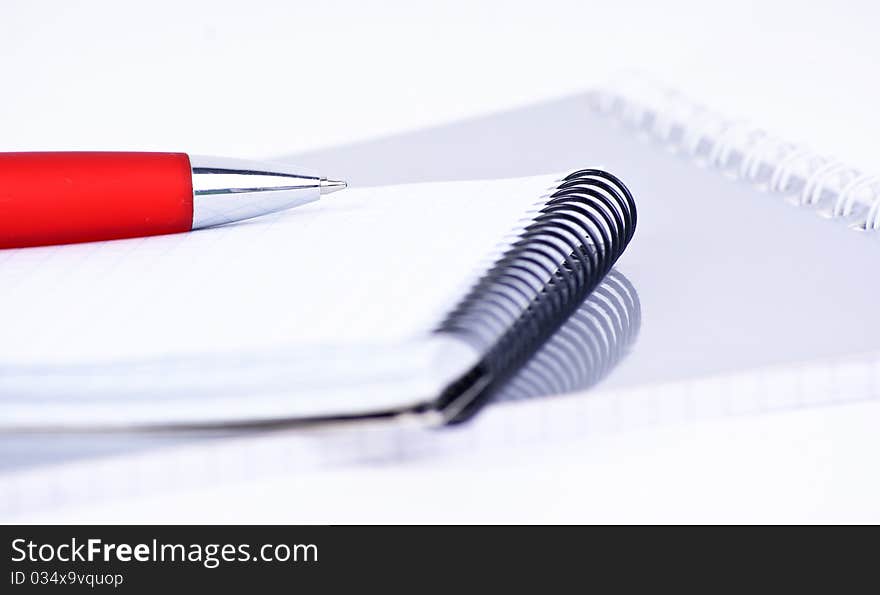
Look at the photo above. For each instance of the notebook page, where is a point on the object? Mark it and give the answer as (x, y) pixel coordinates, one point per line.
(322, 310)
(364, 266)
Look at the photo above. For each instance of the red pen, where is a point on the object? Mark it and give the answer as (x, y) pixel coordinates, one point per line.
(62, 198)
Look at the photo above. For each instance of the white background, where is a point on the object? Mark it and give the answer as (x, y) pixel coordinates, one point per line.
(264, 78)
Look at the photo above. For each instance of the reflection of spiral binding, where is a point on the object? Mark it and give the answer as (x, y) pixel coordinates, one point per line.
(586, 348)
(544, 276)
(745, 152)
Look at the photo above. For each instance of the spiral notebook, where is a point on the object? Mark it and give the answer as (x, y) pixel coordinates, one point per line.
(400, 301)
(736, 276)
(733, 303)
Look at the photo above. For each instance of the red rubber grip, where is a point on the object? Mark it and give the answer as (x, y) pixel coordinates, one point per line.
(62, 198)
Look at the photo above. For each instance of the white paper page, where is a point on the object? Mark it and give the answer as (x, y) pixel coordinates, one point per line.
(331, 303)
(364, 266)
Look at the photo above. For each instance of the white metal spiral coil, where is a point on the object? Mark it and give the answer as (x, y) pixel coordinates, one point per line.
(744, 151)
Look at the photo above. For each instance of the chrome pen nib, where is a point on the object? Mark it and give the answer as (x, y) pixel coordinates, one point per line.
(227, 190)
(328, 186)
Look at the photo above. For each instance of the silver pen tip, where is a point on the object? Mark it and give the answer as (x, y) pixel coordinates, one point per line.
(328, 186)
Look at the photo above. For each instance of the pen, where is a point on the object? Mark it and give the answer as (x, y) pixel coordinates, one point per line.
(71, 197)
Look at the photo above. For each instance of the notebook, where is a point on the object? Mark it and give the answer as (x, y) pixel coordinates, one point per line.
(732, 278)
(390, 302)
(742, 305)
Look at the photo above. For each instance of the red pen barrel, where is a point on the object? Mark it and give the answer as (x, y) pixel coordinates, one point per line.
(62, 198)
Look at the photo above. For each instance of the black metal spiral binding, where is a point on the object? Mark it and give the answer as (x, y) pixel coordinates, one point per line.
(586, 348)
(545, 275)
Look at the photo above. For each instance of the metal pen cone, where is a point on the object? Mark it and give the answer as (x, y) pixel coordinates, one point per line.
(328, 186)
